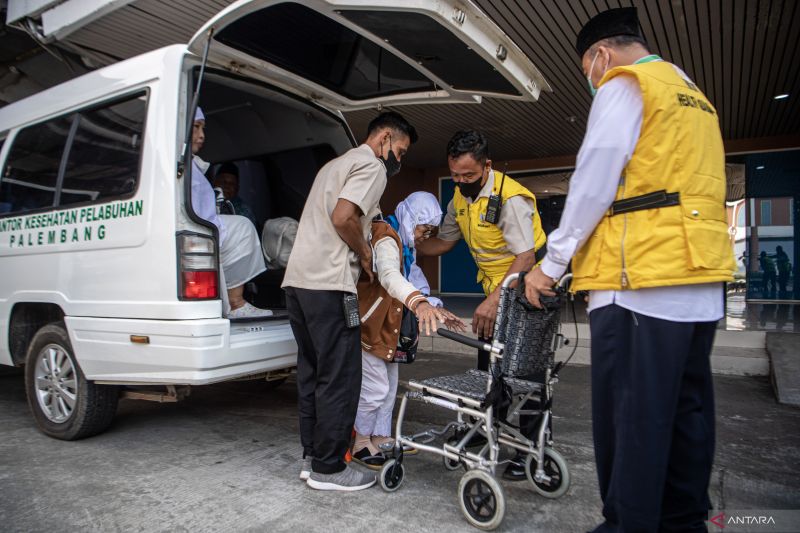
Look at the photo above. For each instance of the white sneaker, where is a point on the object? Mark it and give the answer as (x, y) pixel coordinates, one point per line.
(305, 470)
(249, 311)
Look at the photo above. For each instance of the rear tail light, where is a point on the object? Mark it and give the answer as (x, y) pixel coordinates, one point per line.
(198, 270)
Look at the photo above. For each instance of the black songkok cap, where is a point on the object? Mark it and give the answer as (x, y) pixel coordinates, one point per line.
(611, 23)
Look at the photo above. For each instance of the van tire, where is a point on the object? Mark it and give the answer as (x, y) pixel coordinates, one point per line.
(93, 406)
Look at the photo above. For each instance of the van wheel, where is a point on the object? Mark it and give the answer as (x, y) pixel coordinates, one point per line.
(64, 405)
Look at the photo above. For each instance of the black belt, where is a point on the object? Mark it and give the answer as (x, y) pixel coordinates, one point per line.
(651, 200)
(540, 253)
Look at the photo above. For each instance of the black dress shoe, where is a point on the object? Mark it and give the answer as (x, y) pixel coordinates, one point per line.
(515, 470)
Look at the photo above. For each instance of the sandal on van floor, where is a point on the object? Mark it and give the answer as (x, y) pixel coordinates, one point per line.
(249, 311)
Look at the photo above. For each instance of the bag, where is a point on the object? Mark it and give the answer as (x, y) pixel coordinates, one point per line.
(406, 351)
(277, 240)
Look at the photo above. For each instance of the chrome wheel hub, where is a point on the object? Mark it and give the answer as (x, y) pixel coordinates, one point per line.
(56, 383)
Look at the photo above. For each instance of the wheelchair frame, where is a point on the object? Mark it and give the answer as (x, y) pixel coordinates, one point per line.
(485, 422)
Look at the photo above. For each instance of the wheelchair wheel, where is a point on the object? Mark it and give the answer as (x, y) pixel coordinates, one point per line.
(556, 468)
(481, 499)
(450, 464)
(391, 476)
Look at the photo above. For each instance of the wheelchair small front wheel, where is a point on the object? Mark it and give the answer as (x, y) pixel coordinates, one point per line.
(481, 499)
(555, 467)
(451, 464)
(391, 476)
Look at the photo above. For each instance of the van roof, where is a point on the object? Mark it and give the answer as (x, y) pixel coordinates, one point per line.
(94, 86)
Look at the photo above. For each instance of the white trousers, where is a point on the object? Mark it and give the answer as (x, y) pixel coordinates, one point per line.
(378, 391)
(241, 255)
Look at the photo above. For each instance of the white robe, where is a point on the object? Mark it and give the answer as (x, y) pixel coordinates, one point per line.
(240, 253)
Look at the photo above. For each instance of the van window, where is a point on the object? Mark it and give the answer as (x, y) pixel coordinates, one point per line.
(435, 48)
(31, 171)
(103, 160)
(305, 42)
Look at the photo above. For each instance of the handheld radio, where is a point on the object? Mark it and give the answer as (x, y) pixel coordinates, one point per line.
(495, 203)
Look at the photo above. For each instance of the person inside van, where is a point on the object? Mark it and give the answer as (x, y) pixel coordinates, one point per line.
(240, 250)
(227, 179)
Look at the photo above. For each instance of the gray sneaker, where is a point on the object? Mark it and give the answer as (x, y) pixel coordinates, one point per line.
(348, 480)
(305, 470)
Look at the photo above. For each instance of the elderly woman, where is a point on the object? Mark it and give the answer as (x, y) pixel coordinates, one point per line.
(399, 283)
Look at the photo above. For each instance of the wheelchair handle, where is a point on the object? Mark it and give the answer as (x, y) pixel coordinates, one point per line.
(469, 341)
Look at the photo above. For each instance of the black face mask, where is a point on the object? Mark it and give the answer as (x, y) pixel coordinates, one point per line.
(391, 162)
(471, 190)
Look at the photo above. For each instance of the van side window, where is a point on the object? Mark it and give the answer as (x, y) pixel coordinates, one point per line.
(29, 178)
(103, 160)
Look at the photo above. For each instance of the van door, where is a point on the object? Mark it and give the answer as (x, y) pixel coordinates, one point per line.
(355, 54)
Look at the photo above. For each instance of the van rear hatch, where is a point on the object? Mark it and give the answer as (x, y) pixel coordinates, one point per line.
(351, 54)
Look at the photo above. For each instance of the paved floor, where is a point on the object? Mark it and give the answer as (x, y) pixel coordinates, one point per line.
(226, 459)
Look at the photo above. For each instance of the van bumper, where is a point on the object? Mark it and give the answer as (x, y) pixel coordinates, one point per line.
(180, 352)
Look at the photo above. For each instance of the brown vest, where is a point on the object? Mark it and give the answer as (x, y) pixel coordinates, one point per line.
(381, 314)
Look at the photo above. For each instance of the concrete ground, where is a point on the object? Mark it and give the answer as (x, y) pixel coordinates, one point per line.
(783, 349)
(227, 459)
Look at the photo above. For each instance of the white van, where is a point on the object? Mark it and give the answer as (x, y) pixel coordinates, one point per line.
(109, 282)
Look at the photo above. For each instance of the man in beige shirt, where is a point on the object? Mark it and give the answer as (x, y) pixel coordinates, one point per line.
(330, 250)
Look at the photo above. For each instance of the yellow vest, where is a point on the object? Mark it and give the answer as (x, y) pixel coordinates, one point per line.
(679, 150)
(485, 240)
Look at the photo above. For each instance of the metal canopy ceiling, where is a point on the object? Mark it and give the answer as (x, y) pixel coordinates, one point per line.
(740, 52)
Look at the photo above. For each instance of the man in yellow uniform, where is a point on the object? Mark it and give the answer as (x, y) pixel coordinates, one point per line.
(645, 226)
(512, 241)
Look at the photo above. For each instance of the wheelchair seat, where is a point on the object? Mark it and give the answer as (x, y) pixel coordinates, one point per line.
(472, 384)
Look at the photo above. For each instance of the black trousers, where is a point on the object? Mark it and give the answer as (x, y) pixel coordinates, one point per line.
(328, 375)
(652, 420)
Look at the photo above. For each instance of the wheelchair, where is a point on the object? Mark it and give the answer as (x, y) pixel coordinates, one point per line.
(520, 381)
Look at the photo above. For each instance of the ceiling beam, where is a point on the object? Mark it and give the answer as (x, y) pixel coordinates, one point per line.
(72, 15)
(567, 162)
(20, 9)
(762, 144)
(56, 19)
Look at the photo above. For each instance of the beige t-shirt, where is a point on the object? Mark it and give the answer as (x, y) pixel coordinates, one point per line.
(320, 259)
(516, 221)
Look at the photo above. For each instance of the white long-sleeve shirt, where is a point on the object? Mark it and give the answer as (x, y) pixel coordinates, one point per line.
(204, 202)
(612, 131)
(387, 266)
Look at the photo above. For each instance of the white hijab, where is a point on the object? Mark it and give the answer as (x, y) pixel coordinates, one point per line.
(417, 209)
